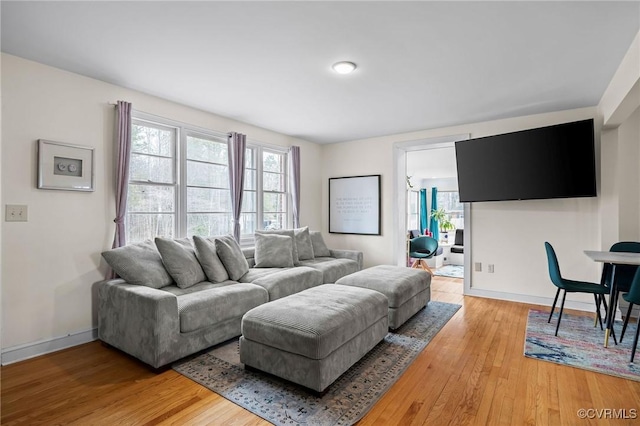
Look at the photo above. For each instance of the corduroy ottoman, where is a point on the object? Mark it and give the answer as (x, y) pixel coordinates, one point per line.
(407, 289)
(312, 337)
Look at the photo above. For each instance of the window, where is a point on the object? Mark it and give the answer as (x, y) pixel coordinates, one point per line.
(151, 201)
(265, 201)
(450, 202)
(179, 184)
(413, 210)
(208, 197)
(274, 190)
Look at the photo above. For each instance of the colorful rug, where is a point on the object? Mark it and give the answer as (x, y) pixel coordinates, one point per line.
(347, 399)
(579, 344)
(451, 271)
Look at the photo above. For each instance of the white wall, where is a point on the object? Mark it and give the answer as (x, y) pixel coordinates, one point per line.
(628, 174)
(52, 262)
(510, 235)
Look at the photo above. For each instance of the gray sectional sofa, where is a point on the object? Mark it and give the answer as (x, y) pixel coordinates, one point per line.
(177, 297)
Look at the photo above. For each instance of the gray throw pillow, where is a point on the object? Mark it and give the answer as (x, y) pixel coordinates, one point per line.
(303, 243)
(208, 258)
(139, 264)
(288, 233)
(231, 256)
(273, 251)
(320, 249)
(180, 260)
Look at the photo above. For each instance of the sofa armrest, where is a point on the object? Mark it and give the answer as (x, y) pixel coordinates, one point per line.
(349, 254)
(139, 320)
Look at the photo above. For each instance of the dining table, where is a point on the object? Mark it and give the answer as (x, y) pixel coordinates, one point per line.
(612, 258)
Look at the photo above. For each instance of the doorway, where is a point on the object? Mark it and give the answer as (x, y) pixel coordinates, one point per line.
(439, 156)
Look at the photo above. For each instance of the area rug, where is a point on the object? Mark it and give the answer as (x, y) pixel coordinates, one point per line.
(579, 344)
(451, 271)
(347, 399)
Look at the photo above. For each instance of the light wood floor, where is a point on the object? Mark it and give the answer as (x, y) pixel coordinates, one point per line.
(473, 372)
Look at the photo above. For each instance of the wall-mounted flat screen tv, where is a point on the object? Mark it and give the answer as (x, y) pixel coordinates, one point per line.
(548, 162)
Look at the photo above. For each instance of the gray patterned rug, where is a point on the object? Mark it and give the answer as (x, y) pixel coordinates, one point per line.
(347, 400)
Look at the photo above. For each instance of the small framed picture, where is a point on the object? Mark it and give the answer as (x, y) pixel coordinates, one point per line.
(64, 166)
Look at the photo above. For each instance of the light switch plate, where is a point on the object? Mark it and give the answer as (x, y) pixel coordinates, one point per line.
(16, 213)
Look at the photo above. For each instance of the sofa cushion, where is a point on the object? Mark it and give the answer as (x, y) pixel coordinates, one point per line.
(289, 281)
(273, 251)
(139, 264)
(255, 273)
(231, 256)
(180, 260)
(303, 243)
(208, 258)
(288, 233)
(320, 249)
(332, 269)
(215, 305)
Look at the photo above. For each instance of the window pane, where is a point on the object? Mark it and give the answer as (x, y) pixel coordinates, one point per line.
(274, 203)
(208, 200)
(151, 198)
(273, 182)
(248, 202)
(151, 140)
(206, 150)
(250, 179)
(141, 227)
(153, 169)
(209, 224)
(273, 162)
(212, 175)
(450, 202)
(248, 158)
(274, 221)
(248, 223)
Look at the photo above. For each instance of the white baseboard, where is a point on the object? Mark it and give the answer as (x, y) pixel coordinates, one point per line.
(31, 350)
(533, 300)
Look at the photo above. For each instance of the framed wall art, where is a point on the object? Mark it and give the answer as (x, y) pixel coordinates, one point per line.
(64, 166)
(355, 205)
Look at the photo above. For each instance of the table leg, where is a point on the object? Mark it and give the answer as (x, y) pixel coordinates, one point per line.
(611, 307)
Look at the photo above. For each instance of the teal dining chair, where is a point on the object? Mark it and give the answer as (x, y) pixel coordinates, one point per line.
(633, 297)
(422, 248)
(624, 273)
(570, 286)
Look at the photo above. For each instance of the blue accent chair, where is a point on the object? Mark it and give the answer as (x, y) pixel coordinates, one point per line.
(421, 249)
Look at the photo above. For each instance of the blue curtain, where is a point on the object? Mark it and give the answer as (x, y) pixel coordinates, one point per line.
(423, 211)
(433, 224)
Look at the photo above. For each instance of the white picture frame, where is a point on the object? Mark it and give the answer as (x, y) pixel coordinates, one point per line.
(65, 167)
(355, 205)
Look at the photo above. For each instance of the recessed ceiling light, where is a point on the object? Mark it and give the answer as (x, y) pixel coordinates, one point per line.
(344, 67)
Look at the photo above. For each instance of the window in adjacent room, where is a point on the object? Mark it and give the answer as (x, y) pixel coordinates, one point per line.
(413, 210)
(450, 202)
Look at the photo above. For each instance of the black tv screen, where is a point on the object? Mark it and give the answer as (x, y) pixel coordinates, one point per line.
(548, 162)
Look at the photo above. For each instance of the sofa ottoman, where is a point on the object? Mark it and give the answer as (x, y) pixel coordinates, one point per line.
(408, 290)
(312, 337)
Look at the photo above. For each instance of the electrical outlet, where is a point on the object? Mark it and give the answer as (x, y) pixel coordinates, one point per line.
(16, 213)
(490, 268)
(478, 266)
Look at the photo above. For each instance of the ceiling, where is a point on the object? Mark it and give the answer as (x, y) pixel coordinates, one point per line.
(421, 65)
(438, 163)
